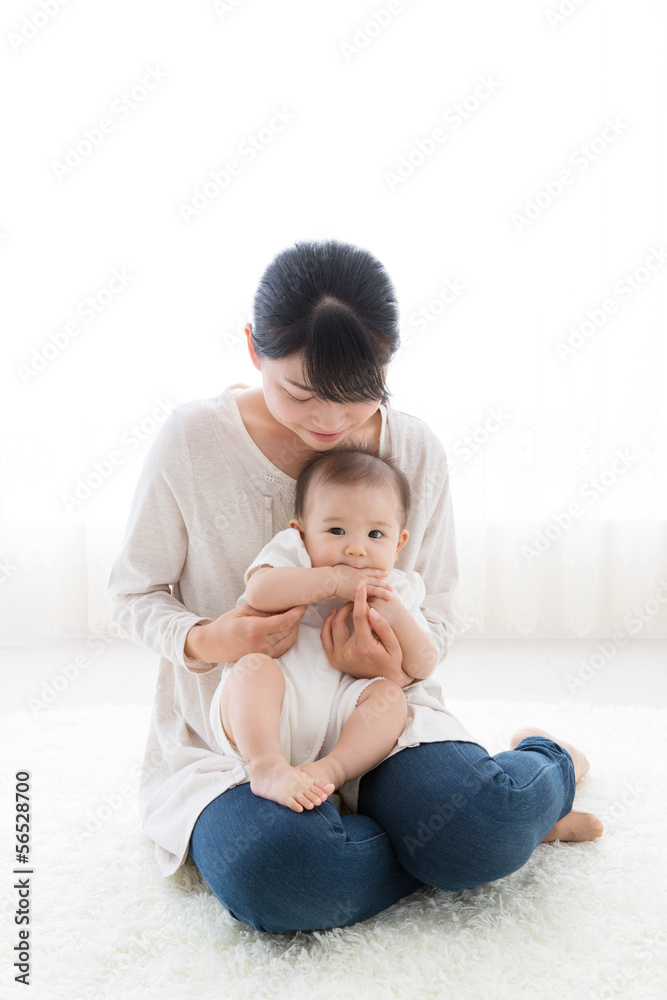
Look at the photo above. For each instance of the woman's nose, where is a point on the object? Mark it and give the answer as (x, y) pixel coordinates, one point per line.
(329, 426)
(330, 418)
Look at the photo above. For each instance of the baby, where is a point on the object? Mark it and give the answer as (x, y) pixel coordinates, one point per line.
(303, 727)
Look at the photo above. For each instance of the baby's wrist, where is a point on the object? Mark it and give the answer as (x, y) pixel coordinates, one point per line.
(327, 583)
(390, 610)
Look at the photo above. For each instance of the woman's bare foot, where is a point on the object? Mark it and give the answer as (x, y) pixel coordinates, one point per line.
(271, 777)
(575, 825)
(581, 764)
(326, 769)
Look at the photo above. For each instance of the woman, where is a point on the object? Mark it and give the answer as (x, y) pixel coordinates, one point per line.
(216, 486)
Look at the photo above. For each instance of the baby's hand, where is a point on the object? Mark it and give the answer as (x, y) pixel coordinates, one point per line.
(348, 579)
(390, 612)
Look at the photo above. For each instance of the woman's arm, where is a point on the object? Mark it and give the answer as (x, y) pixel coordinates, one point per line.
(154, 551)
(436, 560)
(243, 630)
(151, 563)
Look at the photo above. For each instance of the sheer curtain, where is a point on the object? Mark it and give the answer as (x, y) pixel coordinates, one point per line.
(528, 248)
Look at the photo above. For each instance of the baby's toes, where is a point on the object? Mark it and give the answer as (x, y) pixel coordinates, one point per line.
(308, 800)
(315, 795)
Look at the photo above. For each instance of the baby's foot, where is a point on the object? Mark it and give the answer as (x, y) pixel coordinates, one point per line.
(327, 770)
(575, 826)
(581, 764)
(273, 778)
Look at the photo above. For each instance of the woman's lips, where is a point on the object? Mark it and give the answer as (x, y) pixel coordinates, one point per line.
(325, 437)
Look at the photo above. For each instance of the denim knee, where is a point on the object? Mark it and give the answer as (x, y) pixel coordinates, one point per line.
(456, 818)
(266, 873)
(464, 852)
(250, 871)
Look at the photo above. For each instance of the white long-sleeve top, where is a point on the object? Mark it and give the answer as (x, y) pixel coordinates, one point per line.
(206, 502)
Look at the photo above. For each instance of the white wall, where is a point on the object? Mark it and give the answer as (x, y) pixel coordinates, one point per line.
(484, 108)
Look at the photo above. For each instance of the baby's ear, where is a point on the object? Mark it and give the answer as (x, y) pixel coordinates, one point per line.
(402, 539)
(296, 523)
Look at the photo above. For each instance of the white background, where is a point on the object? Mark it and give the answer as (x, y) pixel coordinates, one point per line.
(364, 87)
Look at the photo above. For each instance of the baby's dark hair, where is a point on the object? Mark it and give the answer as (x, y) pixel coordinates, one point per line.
(353, 465)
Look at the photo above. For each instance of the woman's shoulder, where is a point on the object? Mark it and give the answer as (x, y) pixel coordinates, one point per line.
(196, 415)
(415, 433)
(189, 430)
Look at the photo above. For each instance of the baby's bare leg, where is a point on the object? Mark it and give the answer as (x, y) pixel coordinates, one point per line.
(367, 737)
(250, 706)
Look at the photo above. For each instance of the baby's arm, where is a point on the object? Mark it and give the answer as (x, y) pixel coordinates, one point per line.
(420, 655)
(277, 588)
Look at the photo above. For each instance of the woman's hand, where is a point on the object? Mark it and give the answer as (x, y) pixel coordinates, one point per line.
(347, 580)
(361, 654)
(244, 630)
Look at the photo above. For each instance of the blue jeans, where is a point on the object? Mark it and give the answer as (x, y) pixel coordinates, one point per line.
(441, 814)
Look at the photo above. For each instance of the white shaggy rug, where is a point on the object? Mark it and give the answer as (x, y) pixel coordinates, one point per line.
(578, 921)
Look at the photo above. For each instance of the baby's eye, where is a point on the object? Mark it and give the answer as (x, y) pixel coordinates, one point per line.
(337, 529)
(376, 532)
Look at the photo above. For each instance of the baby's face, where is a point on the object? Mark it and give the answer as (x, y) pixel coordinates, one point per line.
(354, 525)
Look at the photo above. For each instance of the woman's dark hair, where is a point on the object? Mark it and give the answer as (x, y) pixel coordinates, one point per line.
(335, 303)
(352, 466)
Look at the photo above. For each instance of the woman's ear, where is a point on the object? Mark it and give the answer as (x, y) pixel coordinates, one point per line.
(251, 347)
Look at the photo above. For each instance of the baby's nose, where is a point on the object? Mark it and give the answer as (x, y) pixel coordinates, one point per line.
(356, 548)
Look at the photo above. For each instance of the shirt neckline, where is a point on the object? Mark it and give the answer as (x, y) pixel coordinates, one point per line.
(253, 447)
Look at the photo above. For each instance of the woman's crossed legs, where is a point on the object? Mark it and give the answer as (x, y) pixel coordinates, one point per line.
(444, 814)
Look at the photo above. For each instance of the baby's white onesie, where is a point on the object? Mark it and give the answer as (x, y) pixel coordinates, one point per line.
(318, 698)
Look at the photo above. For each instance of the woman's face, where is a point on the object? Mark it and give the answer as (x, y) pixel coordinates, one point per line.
(318, 422)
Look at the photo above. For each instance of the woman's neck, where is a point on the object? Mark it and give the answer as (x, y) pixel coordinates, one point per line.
(285, 449)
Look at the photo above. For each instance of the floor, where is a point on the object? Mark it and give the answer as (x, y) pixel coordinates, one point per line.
(70, 673)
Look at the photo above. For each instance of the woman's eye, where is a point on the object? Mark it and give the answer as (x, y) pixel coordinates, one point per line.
(297, 400)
